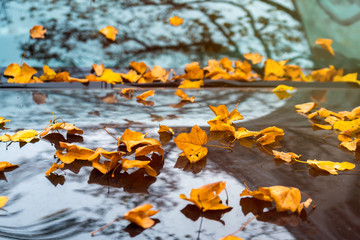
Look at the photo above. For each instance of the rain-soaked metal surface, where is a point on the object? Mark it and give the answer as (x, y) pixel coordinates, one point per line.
(80, 200)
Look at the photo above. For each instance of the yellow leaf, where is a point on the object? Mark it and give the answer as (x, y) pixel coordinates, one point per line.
(24, 136)
(48, 75)
(141, 215)
(109, 32)
(329, 166)
(243, 133)
(191, 84)
(3, 120)
(20, 74)
(207, 197)
(351, 77)
(37, 31)
(3, 201)
(270, 135)
(176, 21)
(192, 144)
(110, 77)
(325, 43)
(273, 70)
(306, 107)
(184, 97)
(73, 152)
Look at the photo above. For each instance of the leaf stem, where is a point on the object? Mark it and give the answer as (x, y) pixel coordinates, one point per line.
(300, 161)
(110, 134)
(103, 227)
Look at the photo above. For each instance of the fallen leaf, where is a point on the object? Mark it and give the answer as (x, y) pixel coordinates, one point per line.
(273, 70)
(223, 119)
(20, 74)
(270, 135)
(330, 167)
(131, 139)
(131, 76)
(141, 215)
(351, 77)
(207, 197)
(3, 201)
(110, 77)
(306, 107)
(37, 31)
(139, 67)
(160, 73)
(285, 156)
(73, 152)
(4, 165)
(243, 133)
(184, 97)
(325, 43)
(109, 32)
(176, 21)
(126, 164)
(165, 129)
(48, 75)
(191, 84)
(146, 94)
(54, 167)
(255, 58)
(70, 128)
(192, 143)
(24, 136)
(3, 120)
(98, 69)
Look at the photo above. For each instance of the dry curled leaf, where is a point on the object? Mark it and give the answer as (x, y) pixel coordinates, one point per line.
(139, 67)
(69, 127)
(4, 165)
(306, 107)
(165, 129)
(37, 31)
(184, 97)
(223, 120)
(255, 58)
(192, 143)
(132, 138)
(285, 156)
(270, 135)
(54, 167)
(109, 32)
(73, 152)
(141, 215)
(20, 74)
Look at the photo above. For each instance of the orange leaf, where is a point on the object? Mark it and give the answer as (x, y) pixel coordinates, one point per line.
(53, 168)
(207, 197)
(70, 128)
(140, 215)
(166, 129)
(329, 166)
(142, 151)
(3, 120)
(270, 135)
(192, 143)
(176, 21)
(243, 133)
(4, 165)
(37, 31)
(184, 97)
(98, 69)
(325, 43)
(110, 77)
(131, 76)
(139, 67)
(73, 152)
(131, 139)
(223, 120)
(230, 237)
(48, 75)
(20, 74)
(274, 70)
(191, 84)
(255, 58)
(160, 73)
(146, 94)
(109, 32)
(285, 156)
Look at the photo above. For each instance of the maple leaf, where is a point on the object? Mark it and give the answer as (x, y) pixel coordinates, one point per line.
(329, 166)
(184, 97)
(285, 198)
(141, 215)
(207, 197)
(285, 156)
(193, 72)
(4, 165)
(54, 167)
(37, 31)
(146, 94)
(192, 143)
(139, 67)
(269, 135)
(98, 69)
(191, 84)
(255, 58)
(3, 201)
(274, 70)
(160, 73)
(306, 107)
(325, 43)
(110, 77)
(131, 139)
(109, 32)
(176, 21)
(281, 91)
(70, 128)
(73, 152)
(223, 119)
(20, 74)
